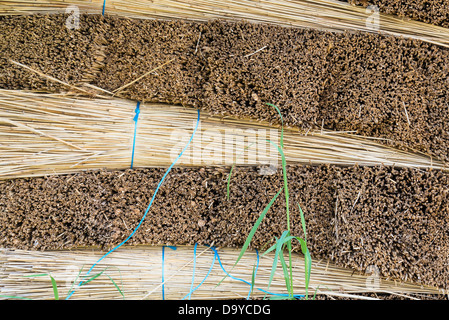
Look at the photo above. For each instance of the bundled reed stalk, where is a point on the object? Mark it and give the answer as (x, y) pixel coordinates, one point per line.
(319, 14)
(138, 272)
(45, 134)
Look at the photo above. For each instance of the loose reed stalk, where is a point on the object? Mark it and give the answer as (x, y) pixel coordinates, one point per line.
(137, 271)
(45, 134)
(321, 14)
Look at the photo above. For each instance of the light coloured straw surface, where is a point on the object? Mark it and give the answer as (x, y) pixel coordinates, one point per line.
(320, 14)
(138, 271)
(45, 134)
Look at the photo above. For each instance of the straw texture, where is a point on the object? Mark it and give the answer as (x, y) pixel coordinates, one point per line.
(45, 134)
(319, 14)
(138, 271)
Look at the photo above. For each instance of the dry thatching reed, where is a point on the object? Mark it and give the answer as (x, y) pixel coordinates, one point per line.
(45, 134)
(319, 14)
(138, 270)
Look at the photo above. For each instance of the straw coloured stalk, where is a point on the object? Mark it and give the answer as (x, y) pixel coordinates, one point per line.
(137, 272)
(45, 134)
(320, 14)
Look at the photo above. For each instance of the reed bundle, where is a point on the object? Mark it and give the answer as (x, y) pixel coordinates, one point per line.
(138, 270)
(45, 134)
(320, 14)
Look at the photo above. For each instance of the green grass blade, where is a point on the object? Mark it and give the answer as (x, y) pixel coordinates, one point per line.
(307, 262)
(15, 297)
(253, 280)
(303, 245)
(55, 288)
(252, 232)
(116, 286)
(53, 282)
(284, 163)
(256, 226)
(94, 277)
(308, 267)
(274, 246)
(119, 288)
(287, 196)
(282, 122)
(285, 270)
(279, 298)
(305, 251)
(77, 277)
(279, 245)
(289, 246)
(303, 223)
(271, 248)
(284, 173)
(314, 294)
(36, 275)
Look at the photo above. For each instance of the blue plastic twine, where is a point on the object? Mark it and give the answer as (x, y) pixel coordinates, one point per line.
(193, 276)
(163, 262)
(217, 256)
(149, 206)
(297, 296)
(136, 117)
(104, 5)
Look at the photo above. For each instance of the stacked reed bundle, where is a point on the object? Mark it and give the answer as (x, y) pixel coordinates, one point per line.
(47, 134)
(319, 14)
(138, 271)
(44, 134)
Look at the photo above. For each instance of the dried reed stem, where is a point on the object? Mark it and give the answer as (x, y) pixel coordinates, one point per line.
(50, 77)
(320, 14)
(141, 77)
(44, 134)
(139, 269)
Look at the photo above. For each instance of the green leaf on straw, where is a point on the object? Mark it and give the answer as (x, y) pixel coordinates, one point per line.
(279, 245)
(15, 297)
(116, 286)
(303, 223)
(53, 282)
(77, 277)
(272, 247)
(252, 232)
(278, 298)
(256, 225)
(307, 262)
(284, 172)
(282, 122)
(285, 270)
(94, 277)
(55, 288)
(36, 275)
(253, 280)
